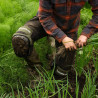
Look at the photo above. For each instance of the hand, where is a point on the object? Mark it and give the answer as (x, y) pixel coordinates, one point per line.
(82, 40)
(69, 44)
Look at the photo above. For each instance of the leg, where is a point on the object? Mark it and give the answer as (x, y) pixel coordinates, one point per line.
(51, 56)
(24, 38)
(64, 59)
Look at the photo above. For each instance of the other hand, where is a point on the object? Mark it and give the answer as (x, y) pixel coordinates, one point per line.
(82, 40)
(69, 44)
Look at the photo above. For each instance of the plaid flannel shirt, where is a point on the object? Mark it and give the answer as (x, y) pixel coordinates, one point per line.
(61, 18)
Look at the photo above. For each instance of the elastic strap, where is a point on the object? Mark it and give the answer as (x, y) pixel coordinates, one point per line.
(27, 32)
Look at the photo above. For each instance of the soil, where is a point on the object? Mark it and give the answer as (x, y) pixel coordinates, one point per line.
(72, 81)
(71, 77)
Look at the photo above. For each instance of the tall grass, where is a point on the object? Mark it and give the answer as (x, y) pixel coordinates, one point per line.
(89, 90)
(46, 87)
(13, 72)
(13, 14)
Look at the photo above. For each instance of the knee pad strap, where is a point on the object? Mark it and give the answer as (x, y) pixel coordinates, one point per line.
(26, 31)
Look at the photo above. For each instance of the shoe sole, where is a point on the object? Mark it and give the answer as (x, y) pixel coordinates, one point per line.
(20, 45)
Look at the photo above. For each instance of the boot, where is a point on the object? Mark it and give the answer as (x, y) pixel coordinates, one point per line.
(63, 62)
(21, 46)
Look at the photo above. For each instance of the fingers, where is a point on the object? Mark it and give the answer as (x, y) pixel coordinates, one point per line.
(70, 47)
(80, 43)
(75, 47)
(82, 40)
(69, 44)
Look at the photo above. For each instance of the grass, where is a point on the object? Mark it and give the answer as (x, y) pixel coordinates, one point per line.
(13, 14)
(15, 80)
(47, 88)
(90, 87)
(12, 71)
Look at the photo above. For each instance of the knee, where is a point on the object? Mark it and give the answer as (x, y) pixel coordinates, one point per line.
(21, 45)
(22, 41)
(24, 31)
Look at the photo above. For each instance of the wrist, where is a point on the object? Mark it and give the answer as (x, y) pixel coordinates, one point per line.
(60, 39)
(83, 36)
(86, 35)
(67, 40)
(63, 40)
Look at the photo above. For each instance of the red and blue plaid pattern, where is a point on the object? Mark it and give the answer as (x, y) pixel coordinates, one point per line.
(61, 18)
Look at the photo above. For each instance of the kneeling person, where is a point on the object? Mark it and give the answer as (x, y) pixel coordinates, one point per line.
(59, 19)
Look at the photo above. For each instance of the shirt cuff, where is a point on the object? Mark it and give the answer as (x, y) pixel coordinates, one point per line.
(87, 35)
(60, 39)
(59, 35)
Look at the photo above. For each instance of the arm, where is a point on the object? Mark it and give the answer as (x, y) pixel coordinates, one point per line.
(45, 17)
(92, 27)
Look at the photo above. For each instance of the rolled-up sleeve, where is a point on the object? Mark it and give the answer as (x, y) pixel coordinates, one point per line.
(92, 27)
(45, 17)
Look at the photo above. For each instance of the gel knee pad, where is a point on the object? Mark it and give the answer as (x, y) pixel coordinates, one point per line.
(26, 32)
(22, 41)
(21, 45)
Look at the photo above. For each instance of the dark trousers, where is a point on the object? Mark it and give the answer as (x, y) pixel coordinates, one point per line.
(63, 58)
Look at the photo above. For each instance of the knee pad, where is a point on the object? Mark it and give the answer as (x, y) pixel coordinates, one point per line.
(24, 31)
(20, 45)
(22, 41)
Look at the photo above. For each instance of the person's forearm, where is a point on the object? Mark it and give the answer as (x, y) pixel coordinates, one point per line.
(45, 18)
(92, 27)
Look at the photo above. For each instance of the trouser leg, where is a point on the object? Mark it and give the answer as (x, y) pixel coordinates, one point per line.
(24, 38)
(63, 59)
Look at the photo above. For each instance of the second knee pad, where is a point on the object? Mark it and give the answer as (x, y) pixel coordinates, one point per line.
(22, 41)
(20, 45)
